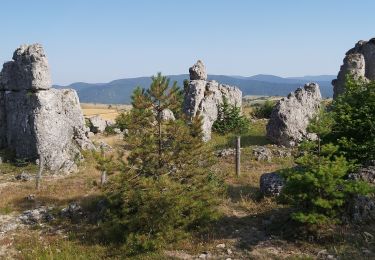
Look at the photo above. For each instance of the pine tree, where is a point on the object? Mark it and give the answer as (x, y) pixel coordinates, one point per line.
(167, 187)
(318, 187)
(229, 119)
(354, 117)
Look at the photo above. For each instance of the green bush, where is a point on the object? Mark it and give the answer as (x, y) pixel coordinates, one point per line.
(122, 121)
(263, 110)
(354, 117)
(318, 187)
(230, 119)
(166, 189)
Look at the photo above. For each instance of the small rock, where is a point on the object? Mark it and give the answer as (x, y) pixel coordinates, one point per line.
(90, 134)
(262, 154)
(282, 153)
(117, 130)
(104, 146)
(229, 252)
(97, 124)
(225, 152)
(271, 184)
(36, 216)
(167, 114)
(24, 176)
(220, 246)
(73, 211)
(30, 197)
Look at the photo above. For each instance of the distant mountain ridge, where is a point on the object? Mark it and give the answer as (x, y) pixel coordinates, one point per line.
(120, 91)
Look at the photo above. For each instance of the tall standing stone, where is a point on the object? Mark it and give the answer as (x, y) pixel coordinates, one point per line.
(36, 119)
(359, 62)
(203, 97)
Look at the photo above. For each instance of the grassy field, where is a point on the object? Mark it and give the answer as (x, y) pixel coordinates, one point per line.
(251, 227)
(107, 112)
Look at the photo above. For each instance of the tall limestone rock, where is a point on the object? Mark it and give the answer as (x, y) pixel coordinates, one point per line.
(358, 62)
(291, 116)
(203, 97)
(36, 120)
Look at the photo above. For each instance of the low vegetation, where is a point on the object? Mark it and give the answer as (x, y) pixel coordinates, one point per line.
(263, 110)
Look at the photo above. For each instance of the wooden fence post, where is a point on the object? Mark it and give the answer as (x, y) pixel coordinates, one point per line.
(238, 155)
(39, 176)
(103, 178)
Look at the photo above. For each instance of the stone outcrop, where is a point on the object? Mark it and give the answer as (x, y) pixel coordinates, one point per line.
(203, 97)
(358, 62)
(291, 116)
(37, 120)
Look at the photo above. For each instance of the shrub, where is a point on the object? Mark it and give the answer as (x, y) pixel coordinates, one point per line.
(318, 188)
(122, 121)
(263, 110)
(166, 188)
(230, 119)
(354, 117)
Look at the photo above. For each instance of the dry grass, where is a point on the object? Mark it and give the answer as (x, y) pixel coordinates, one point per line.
(107, 112)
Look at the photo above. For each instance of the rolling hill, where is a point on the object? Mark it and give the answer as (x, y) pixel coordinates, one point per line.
(119, 91)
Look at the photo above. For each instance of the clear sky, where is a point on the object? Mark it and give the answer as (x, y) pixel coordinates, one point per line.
(103, 40)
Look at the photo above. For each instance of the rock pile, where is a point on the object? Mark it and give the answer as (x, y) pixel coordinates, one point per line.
(36, 216)
(291, 116)
(36, 120)
(359, 62)
(202, 97)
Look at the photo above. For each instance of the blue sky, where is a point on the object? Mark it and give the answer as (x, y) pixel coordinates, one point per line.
(98, 41)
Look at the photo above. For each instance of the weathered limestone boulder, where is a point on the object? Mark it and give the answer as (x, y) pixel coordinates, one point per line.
(358, 62)
(28, 71)
(271, 184)
(203, 98)
(36, 120)
(97, 124)
(198, 71)
(291, 116)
